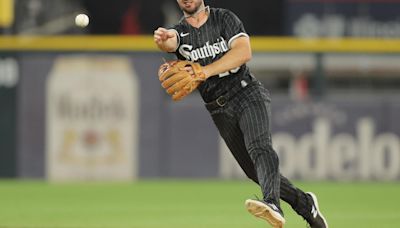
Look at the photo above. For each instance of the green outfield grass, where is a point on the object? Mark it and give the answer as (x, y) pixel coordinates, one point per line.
(184, 204)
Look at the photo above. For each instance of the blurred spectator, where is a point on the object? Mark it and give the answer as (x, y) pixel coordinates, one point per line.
(130, 22)
(299, 89)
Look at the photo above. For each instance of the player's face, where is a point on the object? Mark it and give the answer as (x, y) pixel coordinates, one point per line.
(190, 6)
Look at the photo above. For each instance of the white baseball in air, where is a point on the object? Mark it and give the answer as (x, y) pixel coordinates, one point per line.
(81, 20)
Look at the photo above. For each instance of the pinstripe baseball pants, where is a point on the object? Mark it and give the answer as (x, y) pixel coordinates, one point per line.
(243, 120)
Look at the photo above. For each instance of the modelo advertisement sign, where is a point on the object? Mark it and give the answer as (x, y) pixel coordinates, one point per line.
(319, 18)
(342, 140)
(91, 119)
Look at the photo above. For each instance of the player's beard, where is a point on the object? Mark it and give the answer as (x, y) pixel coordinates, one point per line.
(195, 10)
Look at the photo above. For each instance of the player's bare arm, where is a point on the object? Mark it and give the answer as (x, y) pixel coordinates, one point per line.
(239, 54)
(166, 39)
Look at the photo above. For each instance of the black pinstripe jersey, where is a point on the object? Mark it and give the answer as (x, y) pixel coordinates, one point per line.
(209, 43)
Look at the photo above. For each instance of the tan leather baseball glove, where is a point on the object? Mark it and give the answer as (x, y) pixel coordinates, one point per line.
(177, 80)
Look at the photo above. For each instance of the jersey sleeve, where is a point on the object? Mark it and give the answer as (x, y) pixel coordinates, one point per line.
(176, 29)
(232, 27)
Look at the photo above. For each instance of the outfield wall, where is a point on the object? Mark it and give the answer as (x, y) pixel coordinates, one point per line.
(102, 115)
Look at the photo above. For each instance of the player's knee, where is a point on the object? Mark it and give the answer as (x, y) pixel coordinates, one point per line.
(257, 152)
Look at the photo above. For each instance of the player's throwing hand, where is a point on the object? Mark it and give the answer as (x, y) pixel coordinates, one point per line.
(161, 35)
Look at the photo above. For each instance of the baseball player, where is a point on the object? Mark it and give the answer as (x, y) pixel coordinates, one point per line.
(216, 40)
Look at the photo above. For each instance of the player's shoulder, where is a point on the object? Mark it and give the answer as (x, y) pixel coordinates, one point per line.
(222, 13)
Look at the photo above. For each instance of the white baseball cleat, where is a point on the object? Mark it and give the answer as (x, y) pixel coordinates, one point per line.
(317, 220)
(267, 211)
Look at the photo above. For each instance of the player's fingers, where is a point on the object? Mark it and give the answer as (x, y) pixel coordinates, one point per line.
(173, 79)
(188, 69)
(169, 73)
(161, 35)
(159, 32)
(171, 35)
(178, 86)
(157, 38)
(162, 29)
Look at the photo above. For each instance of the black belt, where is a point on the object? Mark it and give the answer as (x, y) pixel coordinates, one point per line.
(217, 103)
(221, 101)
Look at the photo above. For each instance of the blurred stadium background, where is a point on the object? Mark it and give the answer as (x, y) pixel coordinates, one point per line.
(88, 138)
